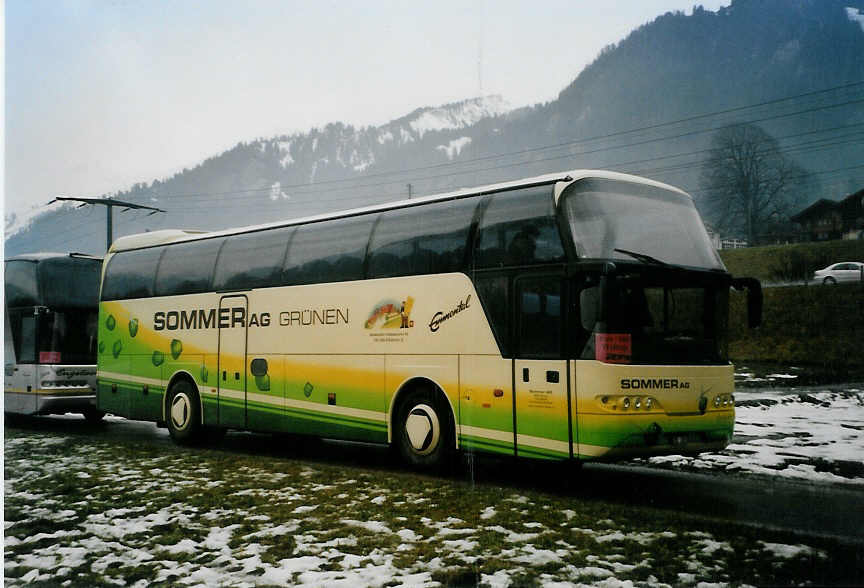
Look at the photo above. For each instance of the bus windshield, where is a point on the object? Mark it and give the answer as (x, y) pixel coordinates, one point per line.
(613, 219)
(653, 315)
(54, 336)
(68, 336)
(70, 282)
(52, 308)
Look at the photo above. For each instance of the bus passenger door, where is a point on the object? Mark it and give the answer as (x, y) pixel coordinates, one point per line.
(21, 381)
(232, 361)
(539, 370)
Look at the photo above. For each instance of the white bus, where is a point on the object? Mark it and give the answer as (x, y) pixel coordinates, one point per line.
(50, 336)
(574, 316)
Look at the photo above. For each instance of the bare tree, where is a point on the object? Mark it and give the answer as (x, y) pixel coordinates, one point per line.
(747, 182)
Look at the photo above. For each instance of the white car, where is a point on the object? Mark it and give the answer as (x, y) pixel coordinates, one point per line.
(847, 271)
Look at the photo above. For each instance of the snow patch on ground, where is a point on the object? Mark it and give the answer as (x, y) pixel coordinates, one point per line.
(159, 532)
(804, 434)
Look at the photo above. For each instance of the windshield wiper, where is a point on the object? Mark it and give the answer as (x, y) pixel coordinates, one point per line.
(642, 257)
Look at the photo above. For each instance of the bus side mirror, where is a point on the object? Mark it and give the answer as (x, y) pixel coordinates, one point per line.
(754, 299)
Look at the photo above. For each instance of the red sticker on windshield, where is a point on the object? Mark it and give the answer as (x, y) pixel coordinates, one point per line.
(613, 347)
(49, 357)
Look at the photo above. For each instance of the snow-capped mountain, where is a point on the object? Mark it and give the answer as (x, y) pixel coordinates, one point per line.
(343, 148)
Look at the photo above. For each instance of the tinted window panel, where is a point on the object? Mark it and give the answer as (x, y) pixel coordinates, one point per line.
(539, 318)
(518, 228)
(495, 297)
(186, 268)
(70, 282)
(131, 274)
(607, 216)
(329, 251)
(21, 284)
(69, 335)
(25, 346)
(252, 260)
(421, 240)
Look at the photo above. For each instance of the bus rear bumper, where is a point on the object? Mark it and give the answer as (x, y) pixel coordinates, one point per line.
(64, 404)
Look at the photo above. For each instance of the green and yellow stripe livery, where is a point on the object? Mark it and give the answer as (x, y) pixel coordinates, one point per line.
(471, 321)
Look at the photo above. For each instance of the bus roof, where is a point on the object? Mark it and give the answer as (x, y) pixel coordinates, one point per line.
(37, 257)
(561, 181)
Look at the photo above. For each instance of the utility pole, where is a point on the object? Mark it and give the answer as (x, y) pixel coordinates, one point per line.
(109, 205)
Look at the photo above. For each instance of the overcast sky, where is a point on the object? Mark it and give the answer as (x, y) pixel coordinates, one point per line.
(101, 94)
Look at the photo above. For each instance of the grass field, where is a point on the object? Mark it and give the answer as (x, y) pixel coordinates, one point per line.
(83, 511)
(797, 260)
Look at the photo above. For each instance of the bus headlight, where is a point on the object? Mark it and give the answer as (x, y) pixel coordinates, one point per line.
(648, 403)
(638, 404)
(716, 402)
(626, 403)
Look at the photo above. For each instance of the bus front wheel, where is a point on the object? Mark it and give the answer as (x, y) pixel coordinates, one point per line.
(184, 414)
(424, 430)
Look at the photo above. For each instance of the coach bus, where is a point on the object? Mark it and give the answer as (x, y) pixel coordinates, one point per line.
(574, 316)
(51, 308)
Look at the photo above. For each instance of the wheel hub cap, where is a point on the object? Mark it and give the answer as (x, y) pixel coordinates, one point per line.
(423, 429)
(180, 411)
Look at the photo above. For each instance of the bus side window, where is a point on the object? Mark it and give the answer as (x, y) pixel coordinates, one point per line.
(589, 307)
(539, 328)
(252, 260)
(186, 268)
(518, 228)
(421, 240)
(21, 283)
(494, 295)
(328, 251)
(27, 346)
(130, 274)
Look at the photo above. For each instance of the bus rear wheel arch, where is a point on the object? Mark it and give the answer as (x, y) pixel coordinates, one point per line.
(183, 412)
(423, 427)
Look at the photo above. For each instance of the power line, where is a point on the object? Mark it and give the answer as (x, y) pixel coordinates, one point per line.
(357, 182)
(211, 197)
(817, 143)
(361, 182)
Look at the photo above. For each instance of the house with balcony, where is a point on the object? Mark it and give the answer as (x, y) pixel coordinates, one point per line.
(826, 220)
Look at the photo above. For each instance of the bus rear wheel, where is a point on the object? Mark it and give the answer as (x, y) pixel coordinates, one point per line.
(424, 430)
(184, 414)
